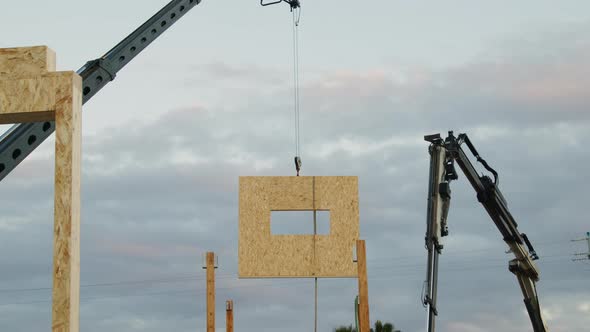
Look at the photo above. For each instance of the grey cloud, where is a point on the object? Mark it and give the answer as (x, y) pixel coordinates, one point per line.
(158, 194)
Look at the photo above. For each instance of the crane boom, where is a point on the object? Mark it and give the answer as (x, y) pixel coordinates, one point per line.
(434, 230)
(21, 139)
(444, 154)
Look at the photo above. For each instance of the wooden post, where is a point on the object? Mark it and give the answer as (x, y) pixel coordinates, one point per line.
(31, 91)
(210, 292)
(364, 322)
(229, 316)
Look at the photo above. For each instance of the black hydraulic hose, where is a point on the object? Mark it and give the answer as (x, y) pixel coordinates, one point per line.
(466, 139)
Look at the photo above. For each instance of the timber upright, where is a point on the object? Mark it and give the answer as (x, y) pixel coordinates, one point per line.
(32, 91)
(364, 323)
(210, 265)
(229, 316)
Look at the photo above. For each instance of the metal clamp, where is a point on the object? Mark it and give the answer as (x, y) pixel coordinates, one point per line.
(293, 3)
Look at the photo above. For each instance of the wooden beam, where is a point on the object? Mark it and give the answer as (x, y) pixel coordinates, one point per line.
(28, 92)
(23, 62)
(229, 316)
(210, 292)
(35, 99)
(364, 322)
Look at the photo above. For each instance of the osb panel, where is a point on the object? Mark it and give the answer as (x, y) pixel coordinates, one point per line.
(262, 254)
(34, 99)
(23, 62)
(66, 252)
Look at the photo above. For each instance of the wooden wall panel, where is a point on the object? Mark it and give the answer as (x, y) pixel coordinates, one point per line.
(264, 255)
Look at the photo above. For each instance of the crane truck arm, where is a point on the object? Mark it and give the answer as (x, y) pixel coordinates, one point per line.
(439, 199)
(443, 156)
(21, 139)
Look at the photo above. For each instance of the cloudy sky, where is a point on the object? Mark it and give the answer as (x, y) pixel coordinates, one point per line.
(211, 100)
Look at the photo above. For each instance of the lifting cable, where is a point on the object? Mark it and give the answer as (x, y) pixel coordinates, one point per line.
(296, 11)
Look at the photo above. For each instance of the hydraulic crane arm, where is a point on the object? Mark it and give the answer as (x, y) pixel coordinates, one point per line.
(489, 195)
(21, 139)
(435, 228)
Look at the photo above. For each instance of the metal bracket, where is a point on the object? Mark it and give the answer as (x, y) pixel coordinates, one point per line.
(270, 3)
(204, 263)
(293, 3)
(105, 65)
(428, 300)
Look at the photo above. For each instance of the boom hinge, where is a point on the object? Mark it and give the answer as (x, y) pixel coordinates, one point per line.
(104, 65)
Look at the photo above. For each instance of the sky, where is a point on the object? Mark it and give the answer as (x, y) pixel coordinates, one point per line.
(211, 100)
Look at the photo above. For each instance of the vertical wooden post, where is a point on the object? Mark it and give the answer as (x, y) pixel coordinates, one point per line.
(66, 230)
(364, 322)
(210, 292)
(229, 316)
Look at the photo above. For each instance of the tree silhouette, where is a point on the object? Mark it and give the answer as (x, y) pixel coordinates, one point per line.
(379, 327)
(388, 327)
(345, 329)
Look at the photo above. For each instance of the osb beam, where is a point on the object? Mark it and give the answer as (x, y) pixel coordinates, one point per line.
(35, 99)
(263, 255)
(25, 62)
(29, 93)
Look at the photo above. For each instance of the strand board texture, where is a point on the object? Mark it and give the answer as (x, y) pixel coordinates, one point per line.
(26, 62)
(30, 91)
(262, 255)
